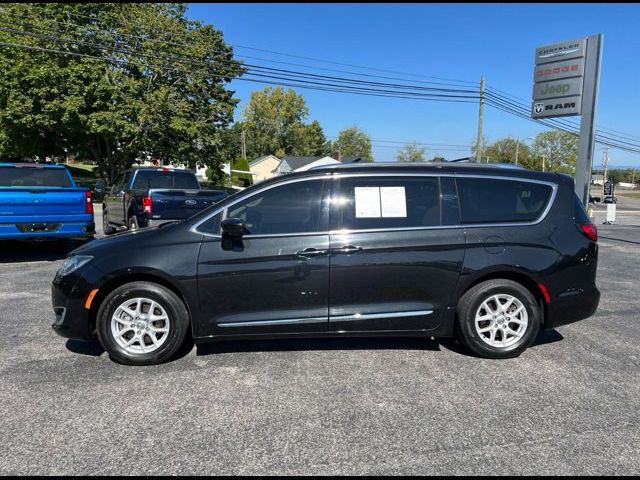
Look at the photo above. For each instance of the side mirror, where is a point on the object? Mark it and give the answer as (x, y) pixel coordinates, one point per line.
(233, 228)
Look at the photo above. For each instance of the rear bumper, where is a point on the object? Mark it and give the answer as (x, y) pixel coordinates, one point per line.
(47, 229)
(571, 307)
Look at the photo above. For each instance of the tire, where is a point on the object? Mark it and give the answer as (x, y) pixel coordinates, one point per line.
(115, 334)
(487, 330)
(132, 223)
(106, 226)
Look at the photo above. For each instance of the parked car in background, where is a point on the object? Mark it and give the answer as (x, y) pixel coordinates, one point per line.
(40, 201)
(490, 254)
(150, 196)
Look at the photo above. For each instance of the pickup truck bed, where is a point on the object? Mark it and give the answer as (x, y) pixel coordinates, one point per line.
(31, 209)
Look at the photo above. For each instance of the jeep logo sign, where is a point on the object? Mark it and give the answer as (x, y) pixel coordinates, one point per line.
(558, 88)
(556, 107)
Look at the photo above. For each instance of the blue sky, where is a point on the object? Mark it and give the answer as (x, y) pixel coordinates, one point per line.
(459, 42)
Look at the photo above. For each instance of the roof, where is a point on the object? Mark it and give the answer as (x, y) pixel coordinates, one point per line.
(258, 160)
(418, 166)
(297, 162)
(410, 168)
(352, 159)
(31, 165)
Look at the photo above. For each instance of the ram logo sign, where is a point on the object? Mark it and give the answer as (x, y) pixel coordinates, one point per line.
(556, 107)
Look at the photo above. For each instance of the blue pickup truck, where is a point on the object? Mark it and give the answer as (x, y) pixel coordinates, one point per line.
(39, 201)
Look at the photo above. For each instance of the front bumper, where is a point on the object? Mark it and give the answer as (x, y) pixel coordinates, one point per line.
(68, 296)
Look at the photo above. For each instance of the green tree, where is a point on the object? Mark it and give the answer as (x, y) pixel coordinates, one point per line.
(241, 179)
(312, 140)
(353, 142)
(411, 152)
(504, 151)
(558, 150)
(438, 158)
(273, 119)
(136, 80)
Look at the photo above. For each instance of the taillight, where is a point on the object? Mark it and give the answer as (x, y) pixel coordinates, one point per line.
(88, 202)
(147, 204)
(589, 230)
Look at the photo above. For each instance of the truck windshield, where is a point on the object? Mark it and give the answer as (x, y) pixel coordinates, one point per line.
(34, 177)
(149, 179)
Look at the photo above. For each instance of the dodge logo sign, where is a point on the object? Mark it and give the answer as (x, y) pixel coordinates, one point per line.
(538, 107)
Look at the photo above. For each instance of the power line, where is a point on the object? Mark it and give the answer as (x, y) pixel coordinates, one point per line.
(298, 79)
(301, 79)
(144, 38)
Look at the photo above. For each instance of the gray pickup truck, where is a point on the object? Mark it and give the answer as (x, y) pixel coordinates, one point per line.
(150, 196)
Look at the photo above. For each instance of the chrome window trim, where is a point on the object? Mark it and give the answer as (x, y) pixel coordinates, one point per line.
(339, 175)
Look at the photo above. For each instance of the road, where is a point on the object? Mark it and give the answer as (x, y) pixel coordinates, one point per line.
(569, 405)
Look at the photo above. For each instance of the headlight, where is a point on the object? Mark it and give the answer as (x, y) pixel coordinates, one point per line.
(73, 263)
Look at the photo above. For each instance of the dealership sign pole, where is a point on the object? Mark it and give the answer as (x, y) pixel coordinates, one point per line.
(566, 78)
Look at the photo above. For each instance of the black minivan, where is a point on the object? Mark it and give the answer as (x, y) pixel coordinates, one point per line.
(491, 255)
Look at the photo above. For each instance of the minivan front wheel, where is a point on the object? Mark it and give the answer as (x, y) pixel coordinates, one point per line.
(142, 323)
(498, 318)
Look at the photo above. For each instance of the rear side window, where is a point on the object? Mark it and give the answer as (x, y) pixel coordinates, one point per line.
(34, 177)
(489, 200)
(151, 179)
(398, 202)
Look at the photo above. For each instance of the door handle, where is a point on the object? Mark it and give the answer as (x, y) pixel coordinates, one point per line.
(347, 249)
(311, 252)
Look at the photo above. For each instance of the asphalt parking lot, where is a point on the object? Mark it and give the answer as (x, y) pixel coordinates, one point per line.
(569, 405)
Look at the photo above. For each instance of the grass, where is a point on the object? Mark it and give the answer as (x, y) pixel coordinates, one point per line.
(83, 173)
(628, 194)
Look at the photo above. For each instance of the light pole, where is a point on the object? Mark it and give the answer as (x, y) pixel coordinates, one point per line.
(544, 156)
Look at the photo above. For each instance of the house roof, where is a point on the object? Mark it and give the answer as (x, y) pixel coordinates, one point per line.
(258, 160)
(297, 162)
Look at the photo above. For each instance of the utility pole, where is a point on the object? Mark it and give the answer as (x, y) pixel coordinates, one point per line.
(605, 164)
(479, 146)
(244, 145)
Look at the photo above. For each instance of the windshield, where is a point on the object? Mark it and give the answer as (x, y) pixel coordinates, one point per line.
(34, 177)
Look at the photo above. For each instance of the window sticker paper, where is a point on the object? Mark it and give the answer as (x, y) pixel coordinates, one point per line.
(367, 202)
(393, 202)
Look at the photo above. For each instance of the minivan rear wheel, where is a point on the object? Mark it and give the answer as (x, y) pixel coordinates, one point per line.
(498, 318)
(142, 323)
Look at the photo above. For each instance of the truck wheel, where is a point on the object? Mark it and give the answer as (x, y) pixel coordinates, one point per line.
(498, 318)
(142, 323)
(106, 226)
